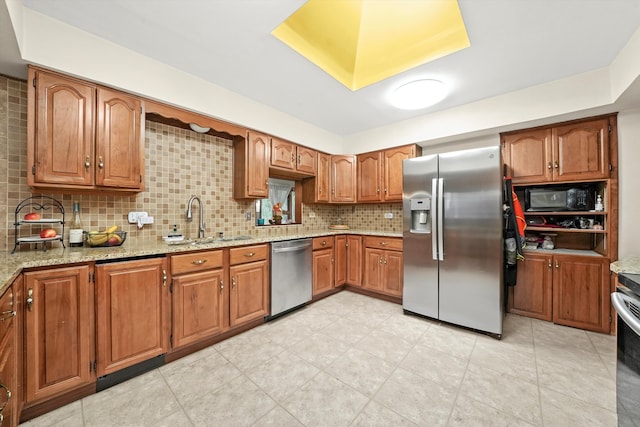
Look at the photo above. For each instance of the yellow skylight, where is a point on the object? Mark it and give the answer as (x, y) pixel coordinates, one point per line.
(360, 42)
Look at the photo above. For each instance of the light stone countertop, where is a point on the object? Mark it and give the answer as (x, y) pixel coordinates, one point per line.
(626, 265)
(11, 265)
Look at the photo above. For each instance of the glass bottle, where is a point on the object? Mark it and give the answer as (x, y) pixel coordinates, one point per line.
(75, 230)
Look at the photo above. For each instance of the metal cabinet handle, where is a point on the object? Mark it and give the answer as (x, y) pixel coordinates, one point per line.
(549, 264)
(6, 315)
(379, 260)
(549, 166)
(557, 264)
(324, 242)
(250, 254)
(100, 162)
(556, 165)
(385, 260)
(87, 162)
(383, 243)
(233, 282)
(6, 389)
(164, 277)
(299, 159)
(199, 261)
(378, 190)
(29, 299)
(221, 285)
(385, 190)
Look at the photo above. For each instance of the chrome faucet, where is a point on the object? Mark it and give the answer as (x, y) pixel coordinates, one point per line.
(189, 216)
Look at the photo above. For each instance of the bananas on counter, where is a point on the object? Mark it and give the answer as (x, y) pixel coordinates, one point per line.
(99, 238)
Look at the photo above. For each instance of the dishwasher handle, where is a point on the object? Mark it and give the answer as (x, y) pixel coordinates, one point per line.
(296, 248)
(621, 303)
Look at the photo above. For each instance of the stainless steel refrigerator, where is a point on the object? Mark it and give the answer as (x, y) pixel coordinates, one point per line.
(452, 238)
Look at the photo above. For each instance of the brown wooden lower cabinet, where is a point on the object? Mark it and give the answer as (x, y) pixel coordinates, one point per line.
(132, 313)
(532, 294)
(59, 331)
(340, 260)
(383, 265)
(571, 290)
(323, 265)
(249, 277)
(9, 376)
(354, 260)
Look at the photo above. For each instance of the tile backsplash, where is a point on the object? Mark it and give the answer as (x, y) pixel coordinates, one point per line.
(178, 163)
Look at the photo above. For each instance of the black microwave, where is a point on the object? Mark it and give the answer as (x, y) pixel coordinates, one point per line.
(550, 199)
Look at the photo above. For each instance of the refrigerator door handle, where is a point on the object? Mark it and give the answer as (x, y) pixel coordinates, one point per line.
(434, 220)
(440, 219)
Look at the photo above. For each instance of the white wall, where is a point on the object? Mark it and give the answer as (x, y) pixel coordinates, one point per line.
(629, 183)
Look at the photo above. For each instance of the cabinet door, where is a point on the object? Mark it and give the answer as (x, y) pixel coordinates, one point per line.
(323, 176)
(581, 151)
(581, 292)
(282, 154)
(393, 273)
(133, 313)
(528, 156)
(61, 125)
(373, 265)
(343, 179)
(251, 166)
(198, 306)
(9, 358)
(369, 182)
(119, 148)
(354, 260)
(531, 296)
(306, 160)
(340, 257)
(322, 271)
(59, 339)
(249, 293)
(392, 173)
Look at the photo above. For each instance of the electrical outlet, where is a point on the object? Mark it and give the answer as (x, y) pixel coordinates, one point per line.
(247, 215)
(388, 215)
(312, 214)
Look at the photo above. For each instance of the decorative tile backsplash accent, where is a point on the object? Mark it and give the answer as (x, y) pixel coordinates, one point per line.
(178, 163)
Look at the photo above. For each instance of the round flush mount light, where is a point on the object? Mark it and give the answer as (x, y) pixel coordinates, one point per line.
(418, 94)
(196, 128)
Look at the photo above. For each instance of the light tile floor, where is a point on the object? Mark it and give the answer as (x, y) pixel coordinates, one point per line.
(352, 360)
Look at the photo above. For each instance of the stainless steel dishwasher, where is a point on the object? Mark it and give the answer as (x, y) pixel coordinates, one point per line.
(291, 274)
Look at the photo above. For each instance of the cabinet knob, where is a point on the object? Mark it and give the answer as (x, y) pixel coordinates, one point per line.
(233, 282)
(100, 162)
(383, 243)
(87, 162)
(164, 277)
(549, 264)
(378, 190)
(557, 264)
(250, 254)
(324, 242)
(549, 166)
(199, 261)
(380, 260)
(299, 159)
(6, 402)
(556, 165)
(221, 285)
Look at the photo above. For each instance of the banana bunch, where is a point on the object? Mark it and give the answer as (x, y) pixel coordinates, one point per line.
(99, 238)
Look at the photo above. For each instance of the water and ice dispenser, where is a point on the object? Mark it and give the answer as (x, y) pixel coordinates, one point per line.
(421, 215)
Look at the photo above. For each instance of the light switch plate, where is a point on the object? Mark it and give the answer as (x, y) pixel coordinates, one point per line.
(388, 215)
(133, 217)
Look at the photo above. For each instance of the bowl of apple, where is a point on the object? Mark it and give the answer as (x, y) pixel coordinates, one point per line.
(109, 237)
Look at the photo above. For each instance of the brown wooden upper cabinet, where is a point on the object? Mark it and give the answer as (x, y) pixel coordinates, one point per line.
(82, 136)
(380, 173)
(569, 152)
(251, 166)
(343, 179)
(292, 158)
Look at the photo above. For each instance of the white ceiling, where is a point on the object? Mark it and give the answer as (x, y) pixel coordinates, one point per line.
(514, 44)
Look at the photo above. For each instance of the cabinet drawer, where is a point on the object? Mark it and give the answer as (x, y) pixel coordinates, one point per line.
(199, 261)
(247, 254)
(322, 242)
(7, 311)
(390, 243)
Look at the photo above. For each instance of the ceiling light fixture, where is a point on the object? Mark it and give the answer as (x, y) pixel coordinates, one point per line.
(196, 128)
(418, 94)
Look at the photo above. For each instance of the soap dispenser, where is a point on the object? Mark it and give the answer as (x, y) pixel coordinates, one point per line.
(599, 206)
